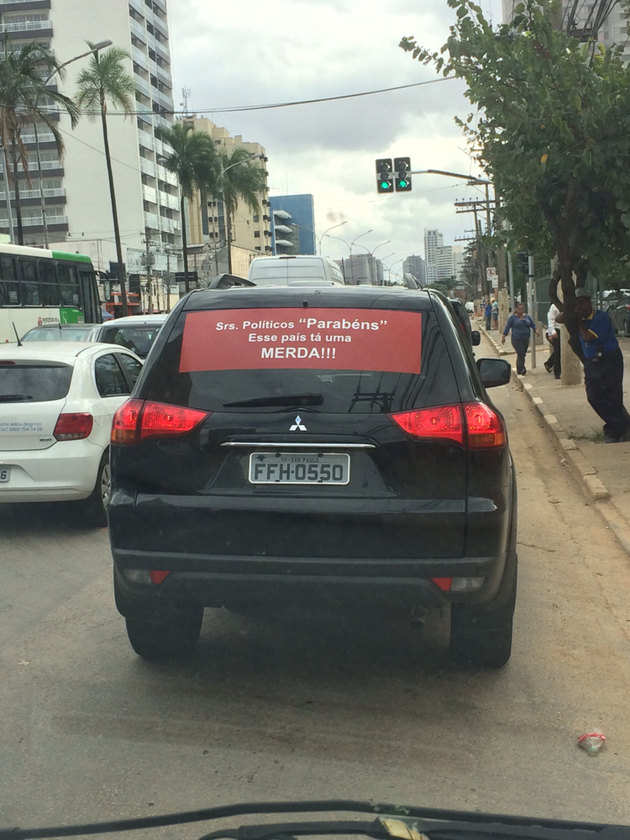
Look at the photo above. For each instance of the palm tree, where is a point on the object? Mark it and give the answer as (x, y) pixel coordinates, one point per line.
(194, 161)
(239, 178)
(22, 89)
(105, 78)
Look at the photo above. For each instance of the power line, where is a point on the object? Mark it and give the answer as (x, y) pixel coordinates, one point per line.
(237, 108)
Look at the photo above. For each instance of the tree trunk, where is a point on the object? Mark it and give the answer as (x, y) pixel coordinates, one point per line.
(122, 276)
(184, 242)
(18, 208)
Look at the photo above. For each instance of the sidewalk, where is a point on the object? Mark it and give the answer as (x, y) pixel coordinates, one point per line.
(602, 470)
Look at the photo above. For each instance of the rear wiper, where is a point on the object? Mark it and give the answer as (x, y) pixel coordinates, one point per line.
(15, 397)
(280, 399)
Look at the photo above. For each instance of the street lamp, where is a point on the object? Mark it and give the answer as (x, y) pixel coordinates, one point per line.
(325, 233)
(371, 253)
(228, 232)
(351, 244)
(99, 46)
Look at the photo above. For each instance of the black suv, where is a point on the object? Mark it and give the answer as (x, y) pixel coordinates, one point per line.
(321, 447)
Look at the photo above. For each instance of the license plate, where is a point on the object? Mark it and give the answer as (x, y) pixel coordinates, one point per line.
(5, 474)
(299, 468)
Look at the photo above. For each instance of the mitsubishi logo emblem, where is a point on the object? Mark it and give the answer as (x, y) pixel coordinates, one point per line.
(298, 426)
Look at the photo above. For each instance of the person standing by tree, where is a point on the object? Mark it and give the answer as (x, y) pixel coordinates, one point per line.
(553, 337)
(487, 313)
(520, 323)
(603, 367)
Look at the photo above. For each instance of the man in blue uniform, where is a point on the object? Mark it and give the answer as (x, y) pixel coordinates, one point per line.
(603, 368)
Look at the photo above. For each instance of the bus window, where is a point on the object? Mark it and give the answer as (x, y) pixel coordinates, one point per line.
(30, 285)
(68, 283)
(48, 283)
(8, 283)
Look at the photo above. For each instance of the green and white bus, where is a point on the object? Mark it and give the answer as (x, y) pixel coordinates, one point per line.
(39, 287)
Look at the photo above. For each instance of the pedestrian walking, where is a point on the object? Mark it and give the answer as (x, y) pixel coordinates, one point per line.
(495, 314)
(487, 313)
(520, 323)
(553, 337)
(603, 367)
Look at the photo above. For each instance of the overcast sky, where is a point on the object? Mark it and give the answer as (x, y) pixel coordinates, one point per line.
(246, 53)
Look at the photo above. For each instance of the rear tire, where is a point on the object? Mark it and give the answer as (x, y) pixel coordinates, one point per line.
(172, 638)
(96, 504)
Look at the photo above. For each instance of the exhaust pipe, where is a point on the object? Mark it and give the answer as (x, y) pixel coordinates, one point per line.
(418, 617)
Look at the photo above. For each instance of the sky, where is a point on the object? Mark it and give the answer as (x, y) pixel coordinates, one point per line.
(233, 56)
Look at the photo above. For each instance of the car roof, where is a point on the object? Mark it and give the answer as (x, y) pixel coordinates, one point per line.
(59, 351)
(135, 320)
(334, 295)
(58, 326)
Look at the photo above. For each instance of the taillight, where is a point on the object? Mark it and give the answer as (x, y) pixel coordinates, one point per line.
(485, 427)
(138, 420)
(73, 426)
(473, 424)
(442, 421)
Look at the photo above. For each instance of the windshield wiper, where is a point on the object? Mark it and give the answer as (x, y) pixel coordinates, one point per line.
(279, 399)
(388, 822)
(15, 397)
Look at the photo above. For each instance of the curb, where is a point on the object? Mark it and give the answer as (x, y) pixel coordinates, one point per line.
(592, 486)
(583, 470)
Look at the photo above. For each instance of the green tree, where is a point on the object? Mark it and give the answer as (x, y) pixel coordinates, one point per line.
(238, 178)
(195, 162)
(105, 79)
(552, 131)
(25, 100)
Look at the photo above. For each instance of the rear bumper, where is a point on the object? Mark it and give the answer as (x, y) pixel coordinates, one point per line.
(64, 472)
(232, 582)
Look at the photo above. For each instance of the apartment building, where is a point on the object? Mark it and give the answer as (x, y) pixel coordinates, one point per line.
(439, 259)
(605, 21)
(250, 231)
(415, 265)
(75, 189)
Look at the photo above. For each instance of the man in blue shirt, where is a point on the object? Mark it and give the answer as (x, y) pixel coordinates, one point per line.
(603, 367)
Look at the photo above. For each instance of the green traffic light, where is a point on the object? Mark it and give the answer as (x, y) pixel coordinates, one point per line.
(402, 183)
(384, 185)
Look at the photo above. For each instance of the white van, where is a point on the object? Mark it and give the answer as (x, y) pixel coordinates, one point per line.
(295, 270)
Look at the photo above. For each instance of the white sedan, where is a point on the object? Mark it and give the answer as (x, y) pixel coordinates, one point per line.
(57, 400)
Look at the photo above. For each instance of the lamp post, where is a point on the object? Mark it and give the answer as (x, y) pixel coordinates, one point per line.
(325, 233)
(351, 245)
(228, 232)
(371, 253)
(99, 46)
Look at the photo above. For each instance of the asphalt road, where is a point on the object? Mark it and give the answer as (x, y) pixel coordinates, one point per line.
(302, 708)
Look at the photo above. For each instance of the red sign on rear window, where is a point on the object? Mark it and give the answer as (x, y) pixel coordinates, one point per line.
(331, 339)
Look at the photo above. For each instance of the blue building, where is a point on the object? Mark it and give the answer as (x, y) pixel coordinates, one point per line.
(293, 225)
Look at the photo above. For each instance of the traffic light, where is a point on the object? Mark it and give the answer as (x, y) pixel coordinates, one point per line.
(384, 176)
(402, 174)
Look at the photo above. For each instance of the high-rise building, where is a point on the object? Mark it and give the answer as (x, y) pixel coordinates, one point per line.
(415, 265)
(294, 233)
(602, 20)
(76, 191)
(250, 230)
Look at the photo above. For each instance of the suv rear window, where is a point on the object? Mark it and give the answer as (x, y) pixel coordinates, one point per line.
(26, 382)
(335, 361)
